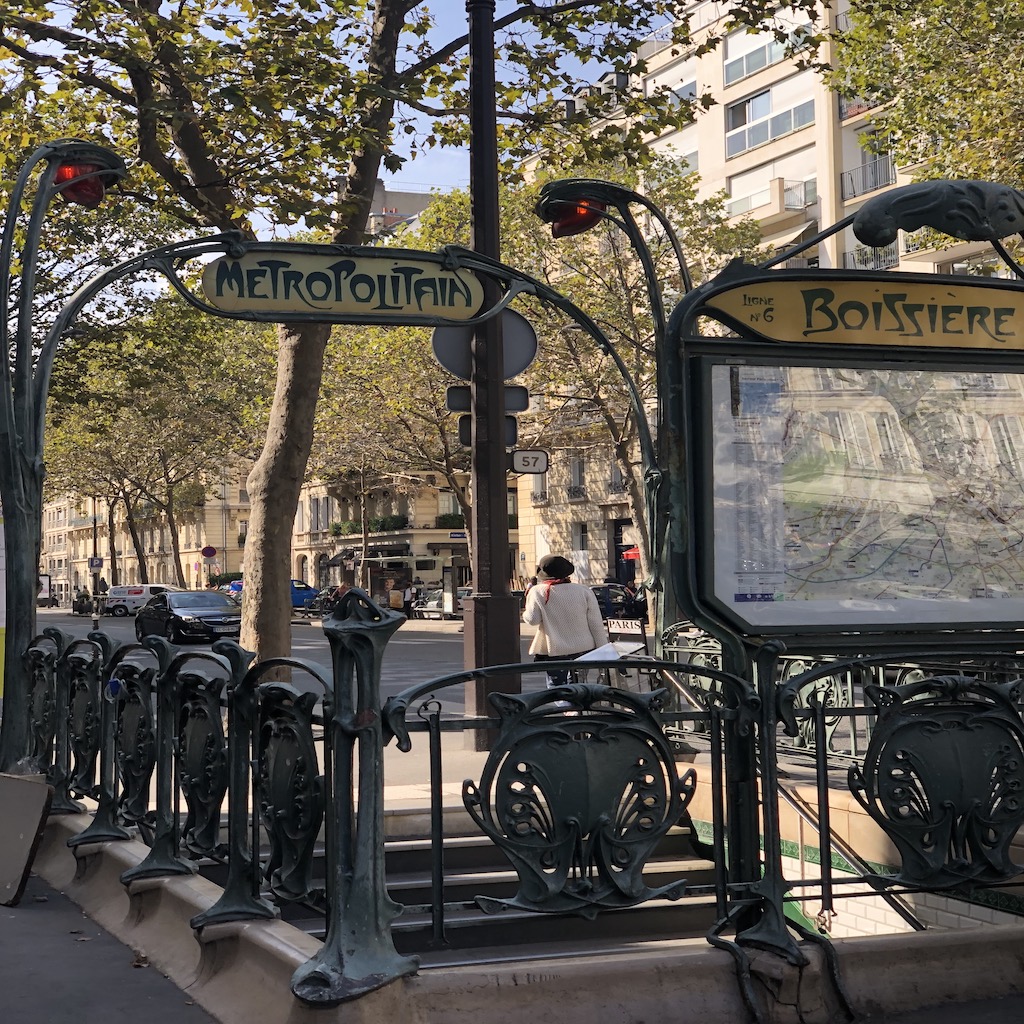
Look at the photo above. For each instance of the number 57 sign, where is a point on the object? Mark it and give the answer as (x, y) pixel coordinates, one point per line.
(530, 460)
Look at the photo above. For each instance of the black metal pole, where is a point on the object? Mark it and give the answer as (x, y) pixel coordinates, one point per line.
(95, 569)
(492, 617)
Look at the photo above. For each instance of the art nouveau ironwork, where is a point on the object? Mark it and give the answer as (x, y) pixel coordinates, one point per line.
(943, 776)
(579, 788)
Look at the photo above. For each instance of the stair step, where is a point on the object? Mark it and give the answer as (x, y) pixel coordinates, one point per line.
(463, 852)
(438, 959)
(463, 886)
(468, 928)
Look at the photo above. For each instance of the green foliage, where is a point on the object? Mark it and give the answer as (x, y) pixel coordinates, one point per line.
(381, 524)
(451, 521)
(940, 75)
(149, 413)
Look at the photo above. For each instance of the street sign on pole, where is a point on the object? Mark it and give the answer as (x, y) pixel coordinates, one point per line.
(95, 563)
(453, 343)
(530, 460)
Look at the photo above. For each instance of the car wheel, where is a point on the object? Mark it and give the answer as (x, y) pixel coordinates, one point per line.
(119, 611)
(171, 633)
(139, 634)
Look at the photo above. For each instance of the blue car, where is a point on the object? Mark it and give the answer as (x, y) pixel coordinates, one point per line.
(301, 592)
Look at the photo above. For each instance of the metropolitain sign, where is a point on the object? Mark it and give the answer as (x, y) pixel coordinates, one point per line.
(897, 312)
(385, 285)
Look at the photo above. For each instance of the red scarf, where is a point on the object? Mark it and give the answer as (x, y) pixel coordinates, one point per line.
(548, 584)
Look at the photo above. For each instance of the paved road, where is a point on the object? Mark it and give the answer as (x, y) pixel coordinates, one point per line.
(419, 650)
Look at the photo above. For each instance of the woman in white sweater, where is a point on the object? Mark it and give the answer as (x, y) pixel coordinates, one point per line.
(566, 614)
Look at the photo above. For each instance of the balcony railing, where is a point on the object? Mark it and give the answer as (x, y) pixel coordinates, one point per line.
(870, 176)
(576, 492)
(773, 127)
(796, 195)
(539, 497)
(853, 106)
(872, 259)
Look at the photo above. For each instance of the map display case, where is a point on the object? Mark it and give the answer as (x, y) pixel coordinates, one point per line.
(854, 446)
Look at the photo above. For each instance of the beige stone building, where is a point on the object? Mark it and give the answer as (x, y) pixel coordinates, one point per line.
(76, 528)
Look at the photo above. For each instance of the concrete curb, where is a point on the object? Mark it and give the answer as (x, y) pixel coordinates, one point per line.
(241, 972)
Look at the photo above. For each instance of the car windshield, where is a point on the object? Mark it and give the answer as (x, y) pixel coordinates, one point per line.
(200, 599)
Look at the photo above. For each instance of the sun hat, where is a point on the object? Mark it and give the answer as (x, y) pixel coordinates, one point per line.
(554, 567)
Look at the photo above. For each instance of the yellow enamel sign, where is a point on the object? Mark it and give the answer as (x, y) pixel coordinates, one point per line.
(388, 285)
(878, 313)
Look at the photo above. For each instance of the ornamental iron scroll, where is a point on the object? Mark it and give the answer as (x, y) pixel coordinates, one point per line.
(40, 661)
(136, 740)
(202, 759)
(979, 211)
(577, 792)
(943, 776)
(82, 662)
(289, 788)
(829, 692)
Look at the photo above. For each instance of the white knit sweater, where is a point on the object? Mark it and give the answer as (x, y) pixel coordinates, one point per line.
(569, 622)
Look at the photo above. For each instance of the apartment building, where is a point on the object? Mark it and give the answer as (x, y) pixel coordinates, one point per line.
(788, 152)
(77, 528)
(415, 530)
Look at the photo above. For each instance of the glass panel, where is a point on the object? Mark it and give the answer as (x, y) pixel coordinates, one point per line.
(759, 106)
(756, 134)
(803, 114)
(890, 502)
(756, 60)
(735, 143)
(782, 124)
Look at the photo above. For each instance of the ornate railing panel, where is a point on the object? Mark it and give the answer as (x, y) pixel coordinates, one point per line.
(289, 788)
(944, 777)
(579, 801)
(81, 664)
(941, 770)
(580, 784)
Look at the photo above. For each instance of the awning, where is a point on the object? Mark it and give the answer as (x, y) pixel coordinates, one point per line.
(336, 560)
(786, 238)
(631, 554)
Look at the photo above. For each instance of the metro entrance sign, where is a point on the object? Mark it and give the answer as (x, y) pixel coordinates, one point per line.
(341, 284)
(854, 441)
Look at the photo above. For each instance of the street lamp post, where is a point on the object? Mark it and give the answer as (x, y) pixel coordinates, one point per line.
(572, 206)
(80, 172)
(492, 616)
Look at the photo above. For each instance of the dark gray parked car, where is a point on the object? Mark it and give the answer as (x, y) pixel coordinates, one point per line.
(189, 615)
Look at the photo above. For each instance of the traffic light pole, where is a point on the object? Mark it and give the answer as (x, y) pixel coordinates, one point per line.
(492, 616)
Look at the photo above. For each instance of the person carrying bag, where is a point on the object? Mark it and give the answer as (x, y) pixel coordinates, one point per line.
(566, 614)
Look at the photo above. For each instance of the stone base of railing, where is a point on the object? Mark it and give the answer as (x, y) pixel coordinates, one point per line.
(242, 972)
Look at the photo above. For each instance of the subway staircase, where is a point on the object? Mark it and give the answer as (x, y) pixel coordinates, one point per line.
(475, 867)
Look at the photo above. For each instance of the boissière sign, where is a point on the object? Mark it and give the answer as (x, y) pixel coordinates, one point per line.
(932, 313)
(384, 284)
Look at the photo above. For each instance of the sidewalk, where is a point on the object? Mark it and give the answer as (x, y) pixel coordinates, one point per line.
(58, 967)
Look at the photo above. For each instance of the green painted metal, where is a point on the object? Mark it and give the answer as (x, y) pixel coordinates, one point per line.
(358, 954)
(164, 858)
(104, 826)
(579, 802)
(22, 415)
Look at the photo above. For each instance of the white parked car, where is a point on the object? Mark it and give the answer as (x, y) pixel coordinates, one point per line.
(129, 599)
